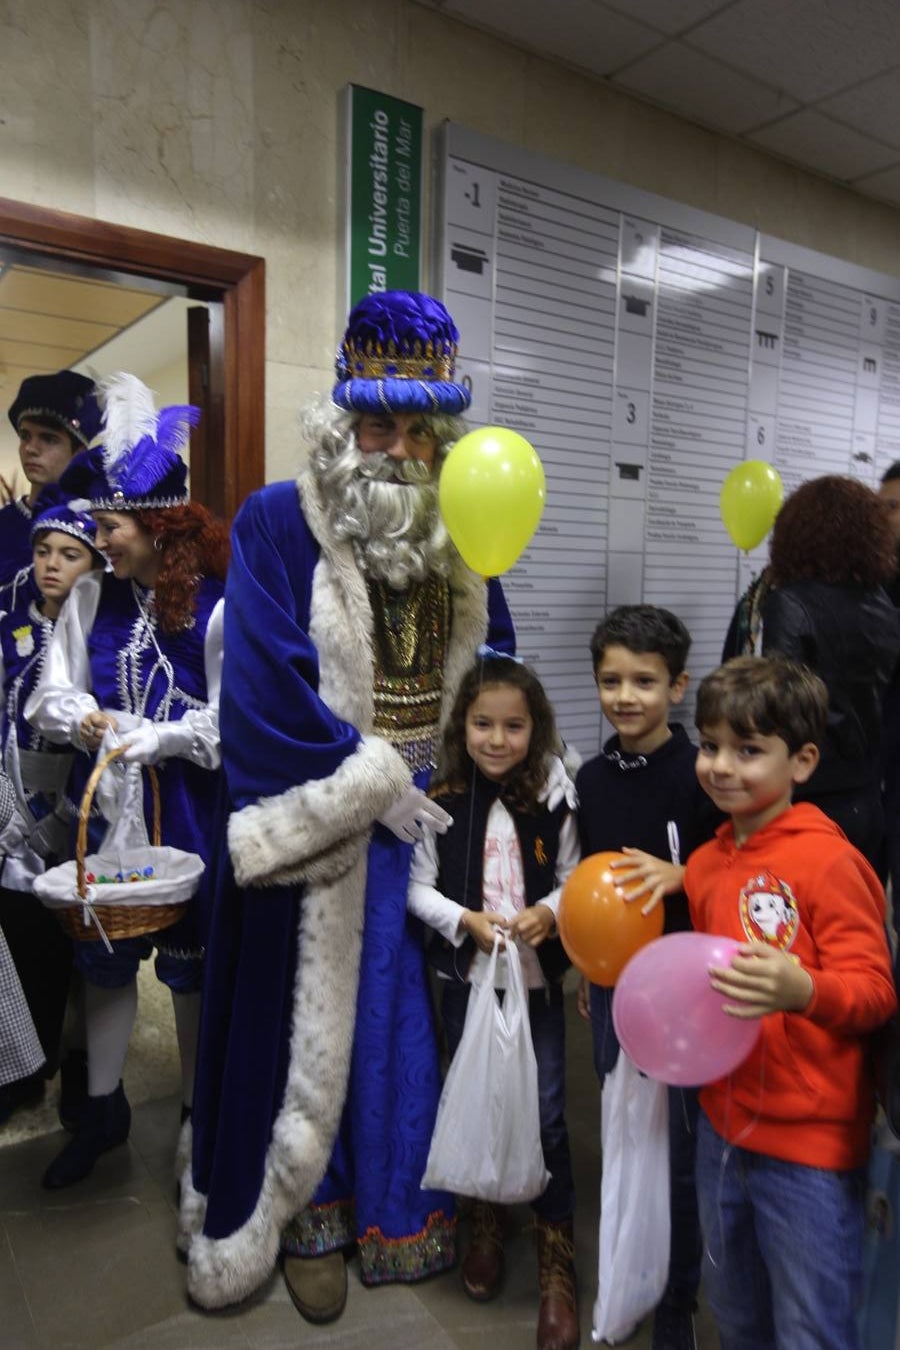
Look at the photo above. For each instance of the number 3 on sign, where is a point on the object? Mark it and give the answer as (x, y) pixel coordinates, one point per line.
(630, 417)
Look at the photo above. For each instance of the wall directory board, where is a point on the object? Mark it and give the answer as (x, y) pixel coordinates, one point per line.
(644, 348)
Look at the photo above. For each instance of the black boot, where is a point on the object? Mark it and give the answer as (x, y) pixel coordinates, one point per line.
(104, 1123)
(73, 1089)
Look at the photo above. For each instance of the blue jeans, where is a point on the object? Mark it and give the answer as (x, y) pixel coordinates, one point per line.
(783, 1248)
(686, 1246)
(548, 1033)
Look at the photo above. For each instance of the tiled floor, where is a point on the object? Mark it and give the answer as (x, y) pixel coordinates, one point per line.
(94, 1267)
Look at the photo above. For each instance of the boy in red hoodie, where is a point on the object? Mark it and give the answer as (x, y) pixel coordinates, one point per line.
(783, 1141)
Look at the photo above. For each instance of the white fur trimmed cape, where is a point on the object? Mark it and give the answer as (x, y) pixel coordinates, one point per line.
(306, 781)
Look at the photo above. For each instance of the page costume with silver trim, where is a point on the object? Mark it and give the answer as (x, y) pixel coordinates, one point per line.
(37, 772)
(285, 1002)
(107, 653)
(15, 548)
(63, 697)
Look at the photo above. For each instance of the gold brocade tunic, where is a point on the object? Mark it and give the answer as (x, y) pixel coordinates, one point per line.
(409, 643)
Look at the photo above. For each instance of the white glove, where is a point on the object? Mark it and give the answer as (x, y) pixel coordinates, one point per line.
(144, 745)
(110, 785)
(414, 813)
(558, 786)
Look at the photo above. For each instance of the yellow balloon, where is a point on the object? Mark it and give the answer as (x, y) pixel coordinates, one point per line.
(491, 494)
(750, 500)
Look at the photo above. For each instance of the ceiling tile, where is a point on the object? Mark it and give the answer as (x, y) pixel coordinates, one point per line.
(75, 335)
(579, 32)
(809, 48)
(73, 297)
(811, 139)
(885, 185)
(669, 16)
(694, 85)
(872, 108)
(738, 66)
(34, 357)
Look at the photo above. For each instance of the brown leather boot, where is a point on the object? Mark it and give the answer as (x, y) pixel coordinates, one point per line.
(557, 1327)
(317, 1285)
(483, 1265)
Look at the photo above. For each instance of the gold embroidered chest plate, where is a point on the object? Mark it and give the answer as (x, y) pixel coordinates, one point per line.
(410, 633)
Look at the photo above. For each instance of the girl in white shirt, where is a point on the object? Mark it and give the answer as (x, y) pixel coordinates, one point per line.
(502, 866)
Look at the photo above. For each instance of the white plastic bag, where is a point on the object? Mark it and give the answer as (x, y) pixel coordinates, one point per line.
(635, 1223)
(487, 1136)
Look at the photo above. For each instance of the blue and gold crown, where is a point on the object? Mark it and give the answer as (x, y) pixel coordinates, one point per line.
(399, 356)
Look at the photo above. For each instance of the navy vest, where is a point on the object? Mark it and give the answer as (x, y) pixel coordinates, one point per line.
(460, 854)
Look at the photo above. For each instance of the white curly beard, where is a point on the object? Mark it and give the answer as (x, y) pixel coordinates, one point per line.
(386, 509)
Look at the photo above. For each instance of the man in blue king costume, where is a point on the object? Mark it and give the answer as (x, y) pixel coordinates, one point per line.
(350, 619)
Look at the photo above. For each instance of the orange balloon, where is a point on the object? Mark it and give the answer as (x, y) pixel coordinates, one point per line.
(600, 930)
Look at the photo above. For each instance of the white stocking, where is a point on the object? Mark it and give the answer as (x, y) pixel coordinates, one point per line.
(187, 1027)
(109, 1015)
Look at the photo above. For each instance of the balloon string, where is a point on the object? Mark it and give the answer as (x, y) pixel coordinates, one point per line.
(731, 1146)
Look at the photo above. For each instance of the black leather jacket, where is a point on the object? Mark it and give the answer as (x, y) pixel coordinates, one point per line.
(850, 636)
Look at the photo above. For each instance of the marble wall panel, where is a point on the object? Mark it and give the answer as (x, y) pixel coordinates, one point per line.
(46, 113)
(173, 117)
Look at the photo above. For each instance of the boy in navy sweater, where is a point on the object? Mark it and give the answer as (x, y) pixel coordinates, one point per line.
(640, 796)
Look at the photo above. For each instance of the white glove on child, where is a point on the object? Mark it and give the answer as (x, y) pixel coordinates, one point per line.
(414, 813)
(558, 786)
(143, 744)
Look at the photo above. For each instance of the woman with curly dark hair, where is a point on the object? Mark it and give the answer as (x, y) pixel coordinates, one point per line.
(136, 661)
(831, 552)
(501, 869)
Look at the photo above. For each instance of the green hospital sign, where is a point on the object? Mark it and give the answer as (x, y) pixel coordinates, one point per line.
(384, 217)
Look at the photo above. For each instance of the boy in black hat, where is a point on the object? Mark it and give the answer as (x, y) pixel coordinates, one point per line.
(54, 416)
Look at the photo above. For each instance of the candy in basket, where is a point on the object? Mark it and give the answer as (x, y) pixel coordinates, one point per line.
(130, 886)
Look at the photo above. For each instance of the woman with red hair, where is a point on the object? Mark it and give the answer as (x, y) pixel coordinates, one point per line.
(135, 660)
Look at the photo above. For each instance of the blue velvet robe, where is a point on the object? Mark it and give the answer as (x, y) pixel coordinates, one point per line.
(305, 781)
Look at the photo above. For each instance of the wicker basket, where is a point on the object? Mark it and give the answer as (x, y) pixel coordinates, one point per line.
(128, 909)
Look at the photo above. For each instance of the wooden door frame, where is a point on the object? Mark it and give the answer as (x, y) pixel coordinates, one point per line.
(235, 279)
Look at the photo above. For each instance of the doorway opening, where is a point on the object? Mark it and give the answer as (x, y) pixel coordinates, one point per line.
(225, 326)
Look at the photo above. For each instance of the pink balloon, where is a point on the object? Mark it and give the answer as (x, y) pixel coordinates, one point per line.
(669, 1019)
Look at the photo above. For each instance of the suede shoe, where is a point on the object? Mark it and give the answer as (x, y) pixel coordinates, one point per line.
(483, 1265)
(317, 1285)
(673, 1328)
(105, 1122)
